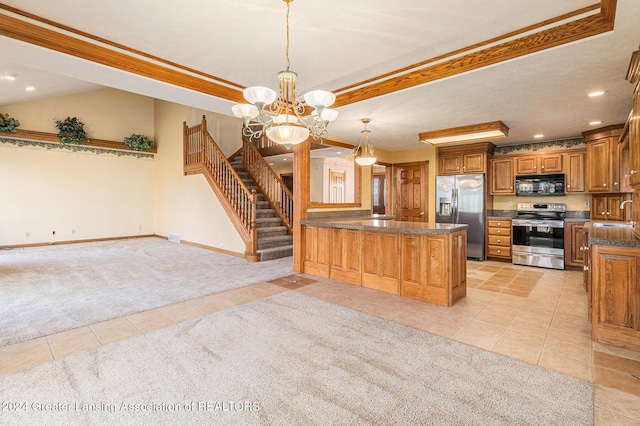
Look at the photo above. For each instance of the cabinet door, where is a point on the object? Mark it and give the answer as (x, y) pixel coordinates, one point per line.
(615, 280)
(450, 164)
(634, 141)
(599, 207)
(574, 244)
(575, 176)
(502, 178)
(551, 163)
(527, 165)
(473, 163)
(613, 207)
(624, 167)
(599, 166)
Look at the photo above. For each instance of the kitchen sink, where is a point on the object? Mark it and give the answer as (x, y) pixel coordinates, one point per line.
(612, 225)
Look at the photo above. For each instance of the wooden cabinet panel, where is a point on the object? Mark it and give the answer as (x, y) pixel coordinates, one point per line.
(414, 268)
(574, 243)
(499, 239)
(502, 176)
(345, 255)
(533, 164)
(474, 163)
(599, 166)
(470, 158)
(316, 252)
(575, 173)
(551, 163)
(607, 207)
(381, 261)
(526, 165)
(616, 296)
(450, 164)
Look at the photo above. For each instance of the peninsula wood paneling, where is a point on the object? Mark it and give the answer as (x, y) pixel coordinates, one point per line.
(316, 251)
(345, 255)
(381, 263)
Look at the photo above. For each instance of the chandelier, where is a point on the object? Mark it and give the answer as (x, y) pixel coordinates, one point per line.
(364, 150)
(285, 117)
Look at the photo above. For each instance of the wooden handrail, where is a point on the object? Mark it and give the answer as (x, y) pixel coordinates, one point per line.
(274, 190)
(240, 202)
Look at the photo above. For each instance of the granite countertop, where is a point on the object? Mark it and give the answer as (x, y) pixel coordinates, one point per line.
(609, 236)
(386, 225)
(576, 220)
(499, 218)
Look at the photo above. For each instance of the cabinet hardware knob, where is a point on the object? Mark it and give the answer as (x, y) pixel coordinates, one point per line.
(586, 268)
(581, 248)
(608, 213)
(498, 231)
(615, 183)
(511, 187)
(540, 167)
(604, 184)
(586, 248)
(499, 224)
(498, 251)
(626, 176)
(498, 240)
(568, 186)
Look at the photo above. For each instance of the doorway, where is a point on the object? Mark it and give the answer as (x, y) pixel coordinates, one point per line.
(379, 190)
(411, 191)
(337, 179)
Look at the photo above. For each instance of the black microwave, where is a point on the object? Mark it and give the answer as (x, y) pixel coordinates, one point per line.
(536, 185)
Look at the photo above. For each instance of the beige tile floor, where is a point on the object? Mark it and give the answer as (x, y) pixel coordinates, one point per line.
(535, 315)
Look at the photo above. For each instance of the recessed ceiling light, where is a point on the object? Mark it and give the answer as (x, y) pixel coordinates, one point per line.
(338, 152)
(538, 136)
(10, 77)
(29, 88)
(271, 164)
(595, 123)
(597, 93)
(284, 159)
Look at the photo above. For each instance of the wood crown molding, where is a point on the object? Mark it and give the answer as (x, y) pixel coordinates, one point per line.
(553, 32)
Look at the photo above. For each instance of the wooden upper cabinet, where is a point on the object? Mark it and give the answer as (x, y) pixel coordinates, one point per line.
(464, 159)
(533, 164)
(633, 77)
(502, 176)
(575, 172)
(601, 148)
(449, 164)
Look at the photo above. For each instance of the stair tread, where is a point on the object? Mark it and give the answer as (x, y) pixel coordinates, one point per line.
(276, 249)
(275, 238)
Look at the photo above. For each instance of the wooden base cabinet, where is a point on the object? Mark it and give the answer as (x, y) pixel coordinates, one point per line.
(499, 240)
(439, 277)
(574, 243)
(429, 267)
(615, 277)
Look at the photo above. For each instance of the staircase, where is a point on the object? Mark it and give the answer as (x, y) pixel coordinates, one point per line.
(274, 240)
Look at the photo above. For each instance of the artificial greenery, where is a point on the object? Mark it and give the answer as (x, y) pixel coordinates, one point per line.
(8, 124)
(71, 131)
(138, 142)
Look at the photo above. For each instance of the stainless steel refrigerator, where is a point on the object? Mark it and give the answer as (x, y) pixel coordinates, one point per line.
(461, 199)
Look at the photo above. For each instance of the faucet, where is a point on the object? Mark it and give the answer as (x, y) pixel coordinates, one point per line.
(622, 208)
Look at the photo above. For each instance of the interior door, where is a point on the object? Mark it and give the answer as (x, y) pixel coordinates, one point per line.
(379, 193)
(337, 186)
(411, 192)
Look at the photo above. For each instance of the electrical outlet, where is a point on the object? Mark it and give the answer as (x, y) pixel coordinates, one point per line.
(73, 231)
(140, 228)
(53, 233)
(510, 203)
(221, 245)
(586, 204)
(28, 234)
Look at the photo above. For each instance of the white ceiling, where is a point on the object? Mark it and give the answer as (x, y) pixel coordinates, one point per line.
(336, 43)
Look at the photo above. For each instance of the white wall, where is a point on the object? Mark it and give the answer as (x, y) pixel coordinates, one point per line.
(186, 205)
(79, 195)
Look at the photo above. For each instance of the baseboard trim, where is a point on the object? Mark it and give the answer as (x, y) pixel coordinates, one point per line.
(90, 240)
(204, 246)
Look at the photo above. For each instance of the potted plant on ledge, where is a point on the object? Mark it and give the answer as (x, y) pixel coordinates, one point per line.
(138, 142)
(8, 124)
(71, 131)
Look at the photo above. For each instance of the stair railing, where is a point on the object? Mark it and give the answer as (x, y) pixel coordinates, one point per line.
(239, 202)
(274, 190)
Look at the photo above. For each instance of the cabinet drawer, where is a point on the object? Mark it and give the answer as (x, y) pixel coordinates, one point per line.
(499, 251)
(499, 231)
(499, 223)
(499, 240)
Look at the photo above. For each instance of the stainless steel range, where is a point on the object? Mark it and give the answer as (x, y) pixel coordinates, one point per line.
(538, 235)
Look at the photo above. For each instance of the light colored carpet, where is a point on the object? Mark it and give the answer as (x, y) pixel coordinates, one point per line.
(44, 290)
(298, 361)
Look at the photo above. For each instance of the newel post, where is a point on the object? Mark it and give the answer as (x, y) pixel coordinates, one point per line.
(203, 130)
(253, 255)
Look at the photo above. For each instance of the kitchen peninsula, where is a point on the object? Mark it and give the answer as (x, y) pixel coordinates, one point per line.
(424, 261)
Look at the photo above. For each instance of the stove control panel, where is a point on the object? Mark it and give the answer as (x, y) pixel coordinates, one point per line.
(541, 207)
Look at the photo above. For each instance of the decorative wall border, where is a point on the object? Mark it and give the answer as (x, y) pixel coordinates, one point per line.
(20, 143)
(553, 144)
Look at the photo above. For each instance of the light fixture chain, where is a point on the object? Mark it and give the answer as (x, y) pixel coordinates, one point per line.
(287, 50)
